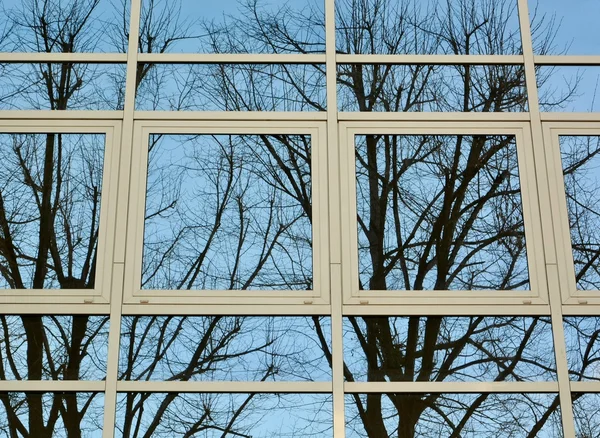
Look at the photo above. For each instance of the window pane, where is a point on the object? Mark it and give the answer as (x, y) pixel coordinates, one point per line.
(225, 348)
(446, 415)
(565, 28)
(424, 88)
(56, 415)
(450, 349)
(461, 27)
(60, 347)
(231, 87)
(569, 89)
(65, 86)
(228, 212)
(586, 409)
(65, 26)
(217, 415)
(583, 347)
(581, 169)
(50, 191)
(439, 212)
(232, 26)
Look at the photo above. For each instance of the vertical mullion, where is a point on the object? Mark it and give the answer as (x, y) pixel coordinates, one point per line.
(551, 264)
(110, 395)
(337, 351)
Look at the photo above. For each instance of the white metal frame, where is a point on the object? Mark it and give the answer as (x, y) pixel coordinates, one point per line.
(101, 292)
(537, 295)
(135, 235)
(554, 294)
(552, 133)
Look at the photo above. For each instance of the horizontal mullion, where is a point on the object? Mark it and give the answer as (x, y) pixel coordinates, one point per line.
(229, 115)
(54, 308)
(191, 309)
(567, 60)
(431, 59)
(66, 114)
(225, 387)
(581, 309)
(585, 387)
(51, 386)
(44, 57)
(570, 117)
(445, 310)
(434, 116)
(233, 58)
(450, 387)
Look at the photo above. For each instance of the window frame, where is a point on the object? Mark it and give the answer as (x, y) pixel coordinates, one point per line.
(558, 199)
(100, 294)
(537, 295)
(134, 294)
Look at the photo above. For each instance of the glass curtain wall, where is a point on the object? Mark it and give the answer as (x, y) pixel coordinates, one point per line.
(285, 218)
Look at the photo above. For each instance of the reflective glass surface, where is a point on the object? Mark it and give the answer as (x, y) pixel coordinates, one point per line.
(581, 172)
(431, 88)
(64, 26)
(228, 212)
(439, 212)
(217, 415)
(453, 415)
(60, 415)
(231, 87)
(449, 349)
(225, 348)
(50, 193)
(232, 26)
(459, 27)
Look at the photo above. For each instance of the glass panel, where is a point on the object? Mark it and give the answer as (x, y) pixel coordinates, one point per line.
(63, 86)
(581, 170)
(439, 212)
(569, 88)
(565, 28)
(583, 347)
(233, 26)
(461, 27)
(451, 349)
(228, 212)
(586, 409)
(231, 87)
(50, 190)
(65, 26)
(219, 415)
(225, 348)
(34, 347)
(424, 88)
(56, 415)
(453, 415)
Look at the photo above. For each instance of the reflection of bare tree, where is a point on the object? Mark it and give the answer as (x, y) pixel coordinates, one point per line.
(49, 213)
(434, 213)
(581, 166)
(209, 349)
(237, 216)
(464, 349)
(245, 223)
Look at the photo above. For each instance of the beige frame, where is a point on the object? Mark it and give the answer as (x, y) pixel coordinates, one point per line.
(560, 300)
(133, 294)
(101, 292)
(552, 133)
(537, 295)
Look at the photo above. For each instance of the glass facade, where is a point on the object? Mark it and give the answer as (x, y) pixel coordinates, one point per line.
(316, 218)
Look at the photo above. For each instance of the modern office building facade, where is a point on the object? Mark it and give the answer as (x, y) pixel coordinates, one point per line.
(354, 218)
